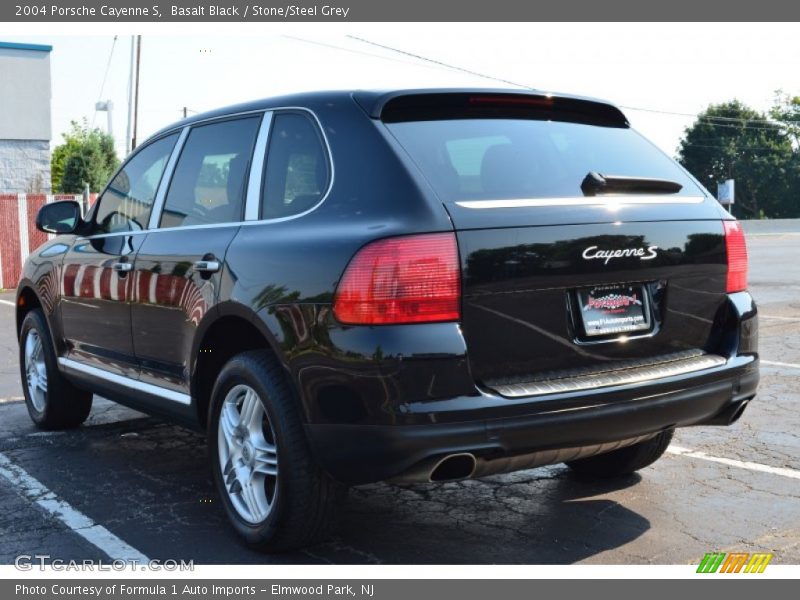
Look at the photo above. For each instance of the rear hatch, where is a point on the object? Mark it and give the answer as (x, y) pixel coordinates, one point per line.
(584, 249)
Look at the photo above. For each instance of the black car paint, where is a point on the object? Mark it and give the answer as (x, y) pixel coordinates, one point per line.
(175, 316)
(389, 392)
(530, 282)
(98, 327)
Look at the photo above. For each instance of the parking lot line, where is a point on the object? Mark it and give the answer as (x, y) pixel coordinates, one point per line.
(783, 471)
(774, 363)
(777, 318)
(75, 520)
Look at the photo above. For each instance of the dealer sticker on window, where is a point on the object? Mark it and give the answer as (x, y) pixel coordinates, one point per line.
(614, 309)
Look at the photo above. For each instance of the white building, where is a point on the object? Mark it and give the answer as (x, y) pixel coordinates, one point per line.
(25, 128)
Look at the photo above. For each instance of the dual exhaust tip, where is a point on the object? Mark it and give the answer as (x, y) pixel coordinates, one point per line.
(458, 466)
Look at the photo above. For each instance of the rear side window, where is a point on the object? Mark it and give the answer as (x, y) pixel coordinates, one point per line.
(126, 203)
(484, 159)
(297, 172)
(209, 182)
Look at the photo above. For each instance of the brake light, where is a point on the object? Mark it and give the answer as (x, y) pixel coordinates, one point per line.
(410, 279)
(499, 100)
(736, 249)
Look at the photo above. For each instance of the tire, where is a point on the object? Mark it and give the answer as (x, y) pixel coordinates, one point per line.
(53, 402)
(271, 454)
(624, 461)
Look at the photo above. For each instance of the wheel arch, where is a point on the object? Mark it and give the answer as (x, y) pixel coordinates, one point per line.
(26, 300)
(231, 329)
(44, 296)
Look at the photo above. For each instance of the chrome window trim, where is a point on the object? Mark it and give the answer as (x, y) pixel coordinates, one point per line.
(157, 230)
(148, 388)
(166, 179)
(98, 236)
(252, 202)
(331, 179)
(607, 200)
(181, 125)
(260, 175)
(191, 227)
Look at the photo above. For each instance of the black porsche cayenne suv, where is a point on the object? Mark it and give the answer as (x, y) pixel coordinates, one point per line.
(417, 286)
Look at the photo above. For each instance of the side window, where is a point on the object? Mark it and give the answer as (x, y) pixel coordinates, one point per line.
(297, 171)
(209, 182)
(126, 204)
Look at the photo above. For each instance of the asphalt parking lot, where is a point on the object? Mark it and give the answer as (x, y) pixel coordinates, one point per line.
(147, 482)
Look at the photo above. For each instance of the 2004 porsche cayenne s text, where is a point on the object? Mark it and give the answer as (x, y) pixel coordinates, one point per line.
(415, 285)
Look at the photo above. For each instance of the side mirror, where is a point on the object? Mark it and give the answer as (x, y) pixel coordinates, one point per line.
(59, 217)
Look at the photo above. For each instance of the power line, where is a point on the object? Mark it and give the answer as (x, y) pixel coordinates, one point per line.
(737, 149)
(736, 122)
(708, 117)
(352, 51)
(440, 63)
(768, 124)
(777, 128)
(728, 141)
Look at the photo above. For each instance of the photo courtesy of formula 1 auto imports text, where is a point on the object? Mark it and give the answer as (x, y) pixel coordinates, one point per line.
(376, 300)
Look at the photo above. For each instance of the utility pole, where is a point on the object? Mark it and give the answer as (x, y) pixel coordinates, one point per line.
(136, 91)
(128, 133)
(185, 112)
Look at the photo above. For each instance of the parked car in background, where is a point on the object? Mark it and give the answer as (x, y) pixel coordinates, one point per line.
(416, 286)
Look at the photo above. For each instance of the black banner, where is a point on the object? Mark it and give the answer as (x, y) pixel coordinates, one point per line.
(392, 10)
(384, 589)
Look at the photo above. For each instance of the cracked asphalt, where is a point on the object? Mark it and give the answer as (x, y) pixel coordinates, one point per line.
(148, 482)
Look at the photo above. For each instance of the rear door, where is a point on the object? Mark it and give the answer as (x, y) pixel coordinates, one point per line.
(179, 264)
(96, 282)
(558, 278)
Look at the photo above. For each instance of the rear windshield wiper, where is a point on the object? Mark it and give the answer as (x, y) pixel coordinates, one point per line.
(596, 183)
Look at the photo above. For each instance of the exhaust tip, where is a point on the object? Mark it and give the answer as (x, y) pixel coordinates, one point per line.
(730, 414)
(739, 412)
(453, 468)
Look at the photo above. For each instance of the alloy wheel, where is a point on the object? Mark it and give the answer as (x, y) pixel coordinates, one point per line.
(36, 370)
(248, 454)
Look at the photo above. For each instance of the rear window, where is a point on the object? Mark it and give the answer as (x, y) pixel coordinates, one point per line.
(489, 159)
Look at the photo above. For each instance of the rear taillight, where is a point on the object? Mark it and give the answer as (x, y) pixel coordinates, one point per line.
(737, 256)
(411, 279)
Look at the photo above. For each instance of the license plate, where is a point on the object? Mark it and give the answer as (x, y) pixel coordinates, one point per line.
(614, 309)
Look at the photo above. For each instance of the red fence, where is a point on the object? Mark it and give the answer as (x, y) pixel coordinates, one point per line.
(18, 233)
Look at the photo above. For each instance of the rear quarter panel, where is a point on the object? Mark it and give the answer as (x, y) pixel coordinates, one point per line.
(286, 271)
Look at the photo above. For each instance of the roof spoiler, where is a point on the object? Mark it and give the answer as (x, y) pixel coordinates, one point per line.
(430, 105)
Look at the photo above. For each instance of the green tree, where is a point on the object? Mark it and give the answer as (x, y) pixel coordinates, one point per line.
(786, 110)
(86, 156)
(733, 141)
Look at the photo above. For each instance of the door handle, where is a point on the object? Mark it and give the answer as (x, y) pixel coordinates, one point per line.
(122, 267)
(206, 266)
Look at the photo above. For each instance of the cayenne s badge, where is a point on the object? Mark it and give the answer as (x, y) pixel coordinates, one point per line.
(593, 252)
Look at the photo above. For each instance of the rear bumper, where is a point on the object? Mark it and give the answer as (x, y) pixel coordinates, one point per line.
(357, 454)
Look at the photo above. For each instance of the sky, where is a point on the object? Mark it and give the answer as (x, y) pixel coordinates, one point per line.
(664, 68)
